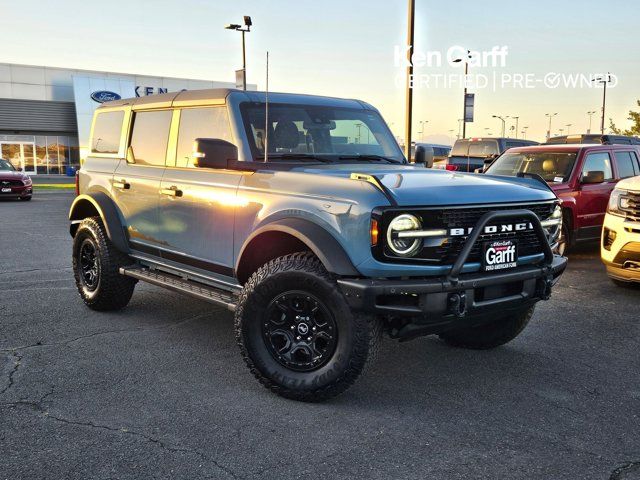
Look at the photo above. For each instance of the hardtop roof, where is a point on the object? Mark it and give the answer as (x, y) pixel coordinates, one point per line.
(220, 96)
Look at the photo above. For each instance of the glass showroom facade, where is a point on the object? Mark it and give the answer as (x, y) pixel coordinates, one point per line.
(41, 154)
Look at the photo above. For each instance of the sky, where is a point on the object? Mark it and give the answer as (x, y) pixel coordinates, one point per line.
(349, 48)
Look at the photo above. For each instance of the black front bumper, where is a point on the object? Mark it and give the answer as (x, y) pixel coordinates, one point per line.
(435, 298)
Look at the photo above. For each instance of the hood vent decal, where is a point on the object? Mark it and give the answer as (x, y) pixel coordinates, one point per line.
(375, 181)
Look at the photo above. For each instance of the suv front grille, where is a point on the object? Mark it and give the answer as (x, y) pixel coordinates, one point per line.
(633, 212)
(446, 251)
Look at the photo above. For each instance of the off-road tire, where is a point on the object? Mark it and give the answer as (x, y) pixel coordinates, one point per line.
(490, 335)
(357, 339)
(113, 291)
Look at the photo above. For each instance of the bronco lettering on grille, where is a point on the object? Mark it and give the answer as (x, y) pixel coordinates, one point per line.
(491, 229)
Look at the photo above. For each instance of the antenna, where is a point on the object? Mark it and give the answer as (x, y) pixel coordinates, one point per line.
(266, 115)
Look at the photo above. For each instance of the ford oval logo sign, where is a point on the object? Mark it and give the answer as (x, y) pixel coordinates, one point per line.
(105, 96)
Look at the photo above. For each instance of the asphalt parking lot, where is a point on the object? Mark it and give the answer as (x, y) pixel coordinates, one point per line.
(159, 390)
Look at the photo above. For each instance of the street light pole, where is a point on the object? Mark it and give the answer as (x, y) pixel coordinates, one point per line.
(603, 81)
(516, 119)
(503, 123)
(568, 125)
(590, 113)
(464, 98)
(409, 93)
(239, 28)
(550, 115)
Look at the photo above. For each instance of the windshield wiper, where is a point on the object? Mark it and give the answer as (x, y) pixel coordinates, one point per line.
(368, 157)
(294, 156)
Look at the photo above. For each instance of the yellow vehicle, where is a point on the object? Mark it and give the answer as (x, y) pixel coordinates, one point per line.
(620, 248)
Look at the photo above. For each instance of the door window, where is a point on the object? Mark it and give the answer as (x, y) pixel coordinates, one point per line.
(106, 132)
(150, 136)
(210, 122)
(625, 164)
(598, 162)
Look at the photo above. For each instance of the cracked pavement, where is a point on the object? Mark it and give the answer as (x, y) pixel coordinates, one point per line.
(159, 390)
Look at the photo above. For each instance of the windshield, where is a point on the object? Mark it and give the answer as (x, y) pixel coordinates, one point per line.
(554, 167)
(481, 148)
(327, 133)
(4, 165)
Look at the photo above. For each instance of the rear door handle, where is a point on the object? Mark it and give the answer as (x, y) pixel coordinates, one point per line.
(172, 191)
(122, 184)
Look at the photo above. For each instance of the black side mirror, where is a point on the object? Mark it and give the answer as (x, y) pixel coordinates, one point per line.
(424, 156)
(596, 176)
(213, 153)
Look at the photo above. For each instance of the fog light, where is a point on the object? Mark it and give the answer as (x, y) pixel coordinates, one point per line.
(608, 237)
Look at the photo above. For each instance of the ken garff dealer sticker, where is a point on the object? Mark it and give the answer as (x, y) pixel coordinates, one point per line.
(102, 96)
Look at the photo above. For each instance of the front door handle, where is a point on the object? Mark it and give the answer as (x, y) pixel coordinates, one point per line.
(172, 191)
(122, 184)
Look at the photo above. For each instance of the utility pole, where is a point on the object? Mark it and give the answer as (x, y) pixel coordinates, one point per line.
(409, 93)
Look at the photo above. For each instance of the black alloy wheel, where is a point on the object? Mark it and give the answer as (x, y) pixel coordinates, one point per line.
(299, 331)
(89, 264)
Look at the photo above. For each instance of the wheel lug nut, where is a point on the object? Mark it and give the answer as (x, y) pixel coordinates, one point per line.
(314, 329)
(298, 337)
(308, 339)
(292, 327)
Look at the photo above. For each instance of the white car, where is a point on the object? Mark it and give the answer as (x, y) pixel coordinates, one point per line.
(620, 247)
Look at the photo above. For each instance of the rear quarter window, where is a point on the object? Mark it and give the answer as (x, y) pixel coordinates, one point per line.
(107, 128)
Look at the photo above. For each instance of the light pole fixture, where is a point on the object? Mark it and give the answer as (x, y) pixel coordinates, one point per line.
(244, 29)
(464, 99)
(603, 80)
(503, 122)
(524, 132)
(550, 115)
(590, 113)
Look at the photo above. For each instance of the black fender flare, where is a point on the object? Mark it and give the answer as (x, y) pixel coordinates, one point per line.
(82, 207)
(322, 243)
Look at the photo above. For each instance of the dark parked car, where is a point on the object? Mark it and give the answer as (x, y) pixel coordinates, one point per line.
(582, 176)
(14, 183)
(594, 138)
(470, 154)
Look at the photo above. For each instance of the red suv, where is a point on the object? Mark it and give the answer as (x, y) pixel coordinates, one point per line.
(582, 176)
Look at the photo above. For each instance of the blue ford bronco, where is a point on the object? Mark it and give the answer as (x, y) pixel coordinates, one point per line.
(301, 215)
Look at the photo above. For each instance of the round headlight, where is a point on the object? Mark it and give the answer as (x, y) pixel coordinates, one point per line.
(404, 246)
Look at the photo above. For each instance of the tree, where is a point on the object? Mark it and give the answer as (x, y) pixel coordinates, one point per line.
(635, 127)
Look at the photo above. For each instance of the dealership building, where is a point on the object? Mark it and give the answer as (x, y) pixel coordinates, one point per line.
(45, 112)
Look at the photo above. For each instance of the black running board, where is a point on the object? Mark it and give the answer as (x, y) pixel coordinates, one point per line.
(180, 285)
